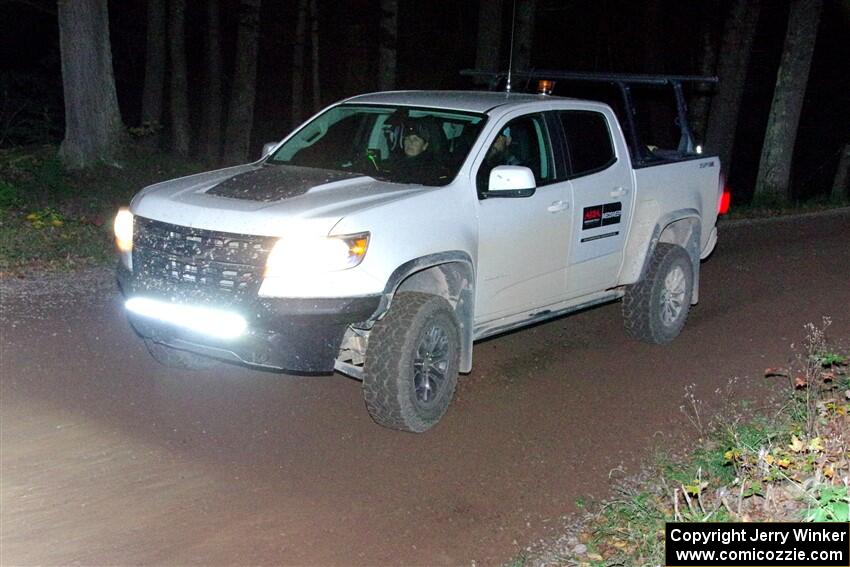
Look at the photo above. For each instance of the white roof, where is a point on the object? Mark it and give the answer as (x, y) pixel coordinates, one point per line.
(470, 101)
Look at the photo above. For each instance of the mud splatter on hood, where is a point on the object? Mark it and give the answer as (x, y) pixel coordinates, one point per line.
(271, 183)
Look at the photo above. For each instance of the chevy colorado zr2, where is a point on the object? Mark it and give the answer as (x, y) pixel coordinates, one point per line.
(326, 254)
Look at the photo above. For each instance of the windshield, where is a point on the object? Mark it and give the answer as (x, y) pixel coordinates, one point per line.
(392, 143)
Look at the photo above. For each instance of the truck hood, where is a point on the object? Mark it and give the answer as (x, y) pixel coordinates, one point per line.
(267, 200)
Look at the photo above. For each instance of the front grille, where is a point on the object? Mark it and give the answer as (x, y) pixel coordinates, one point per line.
(184, 261)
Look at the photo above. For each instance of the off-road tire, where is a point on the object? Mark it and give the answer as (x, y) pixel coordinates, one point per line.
(181, 359)
(644, 312)
(396, 343)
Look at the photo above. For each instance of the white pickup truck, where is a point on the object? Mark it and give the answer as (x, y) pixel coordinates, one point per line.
(352, 245)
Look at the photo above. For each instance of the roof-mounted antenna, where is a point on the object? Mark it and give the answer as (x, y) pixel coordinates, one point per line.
(511, 55)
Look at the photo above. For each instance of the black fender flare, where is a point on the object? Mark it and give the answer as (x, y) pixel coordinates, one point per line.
(465, 307)
(692, 246)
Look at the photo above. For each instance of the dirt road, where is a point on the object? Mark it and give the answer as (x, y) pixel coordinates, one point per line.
(108, 458)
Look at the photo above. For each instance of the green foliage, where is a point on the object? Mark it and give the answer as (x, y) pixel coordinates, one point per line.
(517, 561)
(770, 467)
(10, 195)
(46, 218)
(706, 457)
(46, 239)
(761, 431)
(827, 359)
(832, 505)
(634, 518)
(32, 179)
(144, 130)
(771, 206)
(51, 218)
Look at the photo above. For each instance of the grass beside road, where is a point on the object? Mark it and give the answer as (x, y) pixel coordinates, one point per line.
(768, 209)
(787, 460)
(53, 219)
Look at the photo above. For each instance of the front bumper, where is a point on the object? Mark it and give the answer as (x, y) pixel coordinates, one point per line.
(295, 335)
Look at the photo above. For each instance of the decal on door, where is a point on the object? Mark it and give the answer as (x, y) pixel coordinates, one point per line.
(601, 215)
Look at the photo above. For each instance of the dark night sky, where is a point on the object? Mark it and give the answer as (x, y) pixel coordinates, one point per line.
(437, 39)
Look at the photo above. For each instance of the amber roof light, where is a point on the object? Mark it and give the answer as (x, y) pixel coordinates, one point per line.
(545, 86)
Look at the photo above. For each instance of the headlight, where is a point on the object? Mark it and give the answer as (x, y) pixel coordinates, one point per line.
(329, 254)
(124, 230)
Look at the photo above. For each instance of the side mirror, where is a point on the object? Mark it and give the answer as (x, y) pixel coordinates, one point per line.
(267, 148)
(511, 181)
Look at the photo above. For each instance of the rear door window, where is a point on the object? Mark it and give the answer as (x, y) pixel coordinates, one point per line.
(589, 146)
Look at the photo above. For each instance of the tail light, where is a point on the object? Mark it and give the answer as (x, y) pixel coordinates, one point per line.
(725, 201)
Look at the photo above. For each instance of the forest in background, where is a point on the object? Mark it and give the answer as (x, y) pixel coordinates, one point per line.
(237, 73)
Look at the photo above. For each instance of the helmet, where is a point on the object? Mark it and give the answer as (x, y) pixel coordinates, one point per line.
(418, 127)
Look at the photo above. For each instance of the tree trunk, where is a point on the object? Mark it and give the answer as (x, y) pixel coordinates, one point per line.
(841, 184)
(736, 47)
(240, 119)
(314, 44)
(211, 131)
(298, 64)
(354, 80)
(701, 98)
(155, 56)
(774, 178)
(489, 48)
(524, 34)
(93, 127)
(179, 81)
(387, 45)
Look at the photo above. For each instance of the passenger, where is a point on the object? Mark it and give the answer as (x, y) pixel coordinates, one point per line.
(498, 154)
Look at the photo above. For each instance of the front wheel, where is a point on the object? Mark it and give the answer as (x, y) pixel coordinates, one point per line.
(655, 308)
(412, 363)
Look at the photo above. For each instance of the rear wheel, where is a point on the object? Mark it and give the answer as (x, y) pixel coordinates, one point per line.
(655, 309)
(412, 363)
(176, 358)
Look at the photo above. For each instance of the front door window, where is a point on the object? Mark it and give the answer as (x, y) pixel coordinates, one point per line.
(522, 141)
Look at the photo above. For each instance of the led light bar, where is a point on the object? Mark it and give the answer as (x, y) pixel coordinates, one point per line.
(213, 322)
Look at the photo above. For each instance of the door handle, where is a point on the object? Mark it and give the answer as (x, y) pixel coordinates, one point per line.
(558, 206)
(619, 191)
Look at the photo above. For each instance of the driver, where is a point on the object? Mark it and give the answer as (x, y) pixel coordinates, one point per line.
(415, 140)
(417, 163)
